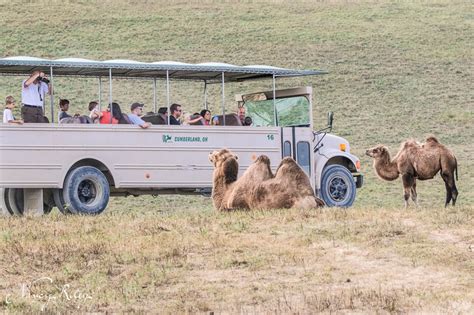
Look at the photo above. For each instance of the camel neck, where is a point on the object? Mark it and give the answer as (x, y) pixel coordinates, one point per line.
(385, 168)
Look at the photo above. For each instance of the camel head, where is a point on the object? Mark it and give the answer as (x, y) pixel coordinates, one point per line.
(263, 159)
(377, 152)
(218, 157)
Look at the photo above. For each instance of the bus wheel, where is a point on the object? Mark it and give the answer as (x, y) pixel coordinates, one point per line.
(59, 201)
(86, 191)
(14, 200)
(3, 207)
(14, 203)
(338, 188)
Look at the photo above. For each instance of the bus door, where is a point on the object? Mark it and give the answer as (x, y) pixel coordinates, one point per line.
(296, 143)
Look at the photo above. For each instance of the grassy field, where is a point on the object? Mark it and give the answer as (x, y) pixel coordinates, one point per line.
(396, 70)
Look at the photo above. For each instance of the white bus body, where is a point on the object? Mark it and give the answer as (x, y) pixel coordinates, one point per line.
(76, 167)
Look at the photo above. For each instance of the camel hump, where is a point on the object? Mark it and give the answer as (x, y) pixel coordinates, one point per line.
(410, 143)
(432, 139)
(287, 160)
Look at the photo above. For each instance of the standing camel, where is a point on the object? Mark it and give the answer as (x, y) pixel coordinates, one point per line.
(417, 161)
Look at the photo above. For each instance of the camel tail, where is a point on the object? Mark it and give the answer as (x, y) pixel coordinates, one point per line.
(456, 169)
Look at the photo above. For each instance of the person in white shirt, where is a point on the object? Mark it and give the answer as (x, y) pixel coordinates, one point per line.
(8, 114)
(33, 94)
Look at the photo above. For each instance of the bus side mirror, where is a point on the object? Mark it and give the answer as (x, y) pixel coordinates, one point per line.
(330, 119)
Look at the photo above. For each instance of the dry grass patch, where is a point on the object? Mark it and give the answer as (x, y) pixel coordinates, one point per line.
(360, 259)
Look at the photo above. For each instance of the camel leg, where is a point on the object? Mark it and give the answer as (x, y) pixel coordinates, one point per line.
(454, 190)
(451, 190)
(414, 195)
(408, 181)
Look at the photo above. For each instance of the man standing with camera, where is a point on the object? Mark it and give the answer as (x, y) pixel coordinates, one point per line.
(33, 93)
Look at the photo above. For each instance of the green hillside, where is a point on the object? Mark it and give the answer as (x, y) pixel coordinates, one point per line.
(397, 70)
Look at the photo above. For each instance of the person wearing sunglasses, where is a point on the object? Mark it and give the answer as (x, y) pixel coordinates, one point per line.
(175, 114)
(134, 117)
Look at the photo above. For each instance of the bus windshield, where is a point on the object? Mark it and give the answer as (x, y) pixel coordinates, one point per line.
(291, 111)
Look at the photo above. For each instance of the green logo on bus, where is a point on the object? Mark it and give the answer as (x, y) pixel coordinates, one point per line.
(169, 139)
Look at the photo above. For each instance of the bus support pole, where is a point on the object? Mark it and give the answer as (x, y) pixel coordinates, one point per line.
(51, 95)
(100, 96)
(168, 94)
(274, 102)
(100, 93)
(223, 100)
(110, 95)
(154, 95)
(205, 94)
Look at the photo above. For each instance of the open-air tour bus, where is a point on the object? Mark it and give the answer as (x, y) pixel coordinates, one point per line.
(76, 167)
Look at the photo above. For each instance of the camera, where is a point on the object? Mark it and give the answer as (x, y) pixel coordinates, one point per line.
(247, 121)
(43, 79)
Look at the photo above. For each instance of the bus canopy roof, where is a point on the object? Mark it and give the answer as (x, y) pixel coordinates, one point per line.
(209, 71)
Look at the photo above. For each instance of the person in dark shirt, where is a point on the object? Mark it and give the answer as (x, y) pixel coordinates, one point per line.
(176, 111)
(206, 115)
(64, 107)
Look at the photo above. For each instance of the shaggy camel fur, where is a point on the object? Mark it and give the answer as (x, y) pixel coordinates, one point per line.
(417, 161)
(258, 188)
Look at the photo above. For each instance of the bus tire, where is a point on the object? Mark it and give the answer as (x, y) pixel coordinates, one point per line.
(3, 206)
(338, 188)
(59, 201)
(13, 200)
(86, 191)
(14, 203)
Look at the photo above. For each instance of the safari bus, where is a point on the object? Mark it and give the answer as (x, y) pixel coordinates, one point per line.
(77, 167)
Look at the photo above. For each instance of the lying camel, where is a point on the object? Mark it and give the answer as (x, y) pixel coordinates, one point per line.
(417, 161)
(258, 188)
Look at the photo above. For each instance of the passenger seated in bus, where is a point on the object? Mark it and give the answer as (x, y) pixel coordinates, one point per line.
(215, 120)
(163, 110)
(228, 120)
(241, 113)
(94, 113)
(134, 117)
(8, 114)
(194, 119)
(206, 115)
(63, 108)
(176, 111)
(118, 116)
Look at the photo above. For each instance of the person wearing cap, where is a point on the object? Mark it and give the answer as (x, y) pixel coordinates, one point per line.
(136, 111)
